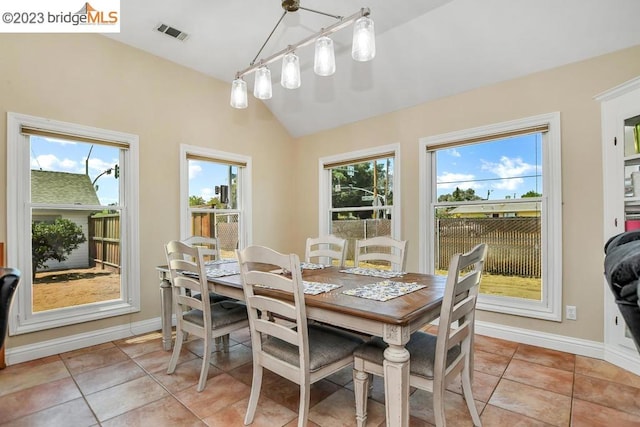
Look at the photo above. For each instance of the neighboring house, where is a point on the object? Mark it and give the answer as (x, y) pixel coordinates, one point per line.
(65, 188)
(497, 210)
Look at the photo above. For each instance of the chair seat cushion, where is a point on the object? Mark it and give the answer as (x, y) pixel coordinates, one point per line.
(326, 345)
(213, 297)
(421, 347)
(223, 313)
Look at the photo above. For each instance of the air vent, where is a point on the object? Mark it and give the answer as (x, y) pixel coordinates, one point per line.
(172, 32)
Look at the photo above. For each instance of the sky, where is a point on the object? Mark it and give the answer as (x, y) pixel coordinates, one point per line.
(501, 169)
(57, 155)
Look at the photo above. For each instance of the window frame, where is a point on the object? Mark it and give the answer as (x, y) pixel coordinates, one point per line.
(550, 306)
(244, 189)
(324, 182)
(24, 320)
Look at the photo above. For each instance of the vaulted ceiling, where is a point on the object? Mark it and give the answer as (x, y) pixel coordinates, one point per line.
(426, 49)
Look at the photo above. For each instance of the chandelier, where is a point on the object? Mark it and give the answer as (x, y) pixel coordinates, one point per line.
(362, 49)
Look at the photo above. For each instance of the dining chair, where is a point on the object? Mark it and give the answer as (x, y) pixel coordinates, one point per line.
(325, 249)
(211, 246)
(435, 360)
(198, 316)
(300, 352)
(383, 249)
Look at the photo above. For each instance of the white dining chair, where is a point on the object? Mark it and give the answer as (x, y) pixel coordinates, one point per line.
(198, 316)
(300, 352)
(325, 249)
(382, 250)
(435, 361)
(210, 245)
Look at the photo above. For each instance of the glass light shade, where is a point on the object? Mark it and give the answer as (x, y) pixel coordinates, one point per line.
(324, 63)
(290, 78)
(239, 94)
(364, 40)
(262, 85)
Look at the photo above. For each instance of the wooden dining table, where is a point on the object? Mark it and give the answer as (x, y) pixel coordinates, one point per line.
(393, 320)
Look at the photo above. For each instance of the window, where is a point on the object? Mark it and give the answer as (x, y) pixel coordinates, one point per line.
(501, 185)
(359, 195)
(72, 222)
(215, 189)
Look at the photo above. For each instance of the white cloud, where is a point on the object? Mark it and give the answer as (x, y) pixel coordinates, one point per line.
(194, 170)
(51, 162)
(99, 165)
(454, 152)
(60, 141)
(509, 169)
(206, 193)
(450, 180)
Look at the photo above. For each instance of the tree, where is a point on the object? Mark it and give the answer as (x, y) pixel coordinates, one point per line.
(531, 193)
(459, 195)
(54, 241)
(196, 201)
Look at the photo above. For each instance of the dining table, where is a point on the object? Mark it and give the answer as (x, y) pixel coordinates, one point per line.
(348, 304)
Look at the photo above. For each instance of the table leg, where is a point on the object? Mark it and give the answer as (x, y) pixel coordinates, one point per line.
(166, 312)
(396, 385)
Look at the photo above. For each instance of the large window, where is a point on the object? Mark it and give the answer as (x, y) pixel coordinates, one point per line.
(215, 197)
(499, 185)
(359, 195)
(72, 222)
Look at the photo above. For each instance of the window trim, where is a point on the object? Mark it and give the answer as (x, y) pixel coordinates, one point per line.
(550, 307)
(324, 183)
(18, 185)
(245, 231)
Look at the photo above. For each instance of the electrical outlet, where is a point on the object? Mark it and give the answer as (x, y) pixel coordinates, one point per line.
(571, 312)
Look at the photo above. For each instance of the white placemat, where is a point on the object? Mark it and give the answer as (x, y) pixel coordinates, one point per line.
(220, 261)
(315, 288)
(311, 266)
(385, 274)
(384, 291)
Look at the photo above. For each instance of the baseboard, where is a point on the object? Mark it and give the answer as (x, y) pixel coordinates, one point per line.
(577, 346)
(38, 350)
(627, 359)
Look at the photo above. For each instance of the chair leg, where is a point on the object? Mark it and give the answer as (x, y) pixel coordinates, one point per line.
(438, 405)
(256, 385)
(206, 357)
(361, 392)
(303, 412)
(468, 397)
(177, 348)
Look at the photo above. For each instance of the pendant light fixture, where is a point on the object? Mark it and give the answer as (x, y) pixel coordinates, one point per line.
(363, 49)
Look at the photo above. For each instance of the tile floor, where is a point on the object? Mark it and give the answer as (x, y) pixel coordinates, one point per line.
(124, 383)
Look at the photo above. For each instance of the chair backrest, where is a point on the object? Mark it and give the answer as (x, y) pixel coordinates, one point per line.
(457, 315)
(210, 245)
(283, 274)
(188, 277)
(382, 248)
(325, 249)
(9, 280)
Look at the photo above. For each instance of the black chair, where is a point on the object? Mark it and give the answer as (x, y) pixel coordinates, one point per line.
(9, 279)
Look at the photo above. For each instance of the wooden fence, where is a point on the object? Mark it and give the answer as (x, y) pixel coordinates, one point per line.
(514, 243)
(224, 226)
(104, 241)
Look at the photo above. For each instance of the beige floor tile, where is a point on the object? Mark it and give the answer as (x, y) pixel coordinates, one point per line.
(606, 393)
(72, 413)
(588, 414)
(84, 350)
(482, 387)
(26, 375)
(494, 416)
(268, 414)
(605, 371)
(30, 400)
(533, 402)
(489, 363)
(87, 361)
(140, 344)
(164, 412)
(244, 373)
(186, 374)
(108, 376)
(159, 360)
(494, 345)
(455, 408)
(339, 410)
(552, 379)
(221, 391)
(124, 397)
(546, 357)
(238, 355)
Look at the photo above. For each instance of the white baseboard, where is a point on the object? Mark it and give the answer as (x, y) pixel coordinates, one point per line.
(34, 351)
(578, 346)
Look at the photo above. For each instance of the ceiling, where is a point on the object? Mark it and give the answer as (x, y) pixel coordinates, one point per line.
(426, 49)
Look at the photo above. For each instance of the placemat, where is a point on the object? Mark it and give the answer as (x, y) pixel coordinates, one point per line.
(212, 272)
(311, 266)
(220, 261)
(384, 291)
(385, 274)
(315, 288)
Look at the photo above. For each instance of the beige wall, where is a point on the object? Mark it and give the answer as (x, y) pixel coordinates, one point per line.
(92, 80)
(95, 81)
(569, 90)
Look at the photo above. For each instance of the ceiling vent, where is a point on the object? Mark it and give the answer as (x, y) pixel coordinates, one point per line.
(172, 32)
